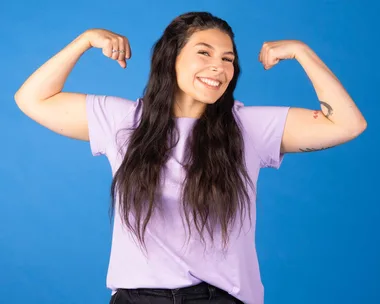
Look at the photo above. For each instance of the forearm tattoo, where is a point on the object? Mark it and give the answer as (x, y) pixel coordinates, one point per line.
(313, 149)
(315, 116)
(328, 107)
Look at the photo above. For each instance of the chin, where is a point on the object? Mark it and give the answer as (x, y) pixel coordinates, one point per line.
(207, 100)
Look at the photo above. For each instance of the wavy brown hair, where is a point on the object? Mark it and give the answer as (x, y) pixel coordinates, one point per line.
(215, 187)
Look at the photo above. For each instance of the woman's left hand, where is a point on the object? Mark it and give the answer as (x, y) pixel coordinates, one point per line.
(274, 51)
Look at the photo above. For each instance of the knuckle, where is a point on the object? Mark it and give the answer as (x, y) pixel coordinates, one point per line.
(107, 41)
(105, 53)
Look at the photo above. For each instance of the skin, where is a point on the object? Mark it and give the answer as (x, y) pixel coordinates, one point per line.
(338, 121)
(213, 61)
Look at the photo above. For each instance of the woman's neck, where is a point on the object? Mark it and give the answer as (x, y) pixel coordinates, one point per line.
(185, 106)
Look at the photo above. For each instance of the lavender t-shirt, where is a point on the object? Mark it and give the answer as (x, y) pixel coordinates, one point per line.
(173, 261)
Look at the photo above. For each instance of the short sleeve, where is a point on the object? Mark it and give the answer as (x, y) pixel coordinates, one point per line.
(265, 127)
(104, 116)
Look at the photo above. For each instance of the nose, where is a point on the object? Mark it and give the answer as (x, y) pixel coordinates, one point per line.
(216, 67)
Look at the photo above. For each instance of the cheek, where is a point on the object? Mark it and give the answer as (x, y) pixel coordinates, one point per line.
(230, 72)
(186, 73)
(184, 80)
(194, 67)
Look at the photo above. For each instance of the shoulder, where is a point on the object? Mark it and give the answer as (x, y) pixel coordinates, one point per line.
(111, 102)
(263, 127)
(260, 115)
(112, 108)
(106, 116)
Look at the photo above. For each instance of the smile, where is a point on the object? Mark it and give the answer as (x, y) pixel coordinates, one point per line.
(210, 82)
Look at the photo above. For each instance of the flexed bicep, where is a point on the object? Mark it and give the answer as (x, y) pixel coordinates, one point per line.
(310, 130)
(63, 113)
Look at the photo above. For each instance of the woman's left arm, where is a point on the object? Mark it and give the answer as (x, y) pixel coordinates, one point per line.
(339, 119)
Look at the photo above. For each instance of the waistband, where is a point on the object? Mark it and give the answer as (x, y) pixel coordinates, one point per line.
(201, 288)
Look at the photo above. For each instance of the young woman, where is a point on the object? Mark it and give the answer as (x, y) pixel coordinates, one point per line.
(186, 156)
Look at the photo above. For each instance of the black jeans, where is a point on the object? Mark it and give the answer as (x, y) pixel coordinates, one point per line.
(199, 294)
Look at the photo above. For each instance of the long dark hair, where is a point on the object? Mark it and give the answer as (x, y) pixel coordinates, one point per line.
(215, 187)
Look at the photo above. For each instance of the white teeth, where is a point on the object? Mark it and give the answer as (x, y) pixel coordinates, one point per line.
(210, 82)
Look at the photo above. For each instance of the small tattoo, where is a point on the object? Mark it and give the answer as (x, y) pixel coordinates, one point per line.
(315, 114)
(313, 149)
(328, 107)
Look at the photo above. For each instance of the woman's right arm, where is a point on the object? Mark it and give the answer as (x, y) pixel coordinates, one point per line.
(41, 97)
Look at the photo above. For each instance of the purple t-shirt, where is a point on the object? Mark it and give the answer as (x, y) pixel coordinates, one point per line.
(173, 261)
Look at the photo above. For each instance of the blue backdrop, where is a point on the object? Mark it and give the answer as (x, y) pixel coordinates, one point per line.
(318, 216)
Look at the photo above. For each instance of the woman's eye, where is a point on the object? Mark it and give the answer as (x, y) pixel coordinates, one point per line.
(204, 53)
(208, 54)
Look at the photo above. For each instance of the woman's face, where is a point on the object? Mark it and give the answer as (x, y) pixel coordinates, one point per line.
(204, 67)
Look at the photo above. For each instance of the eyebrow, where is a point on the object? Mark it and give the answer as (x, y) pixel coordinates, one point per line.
(211, 47)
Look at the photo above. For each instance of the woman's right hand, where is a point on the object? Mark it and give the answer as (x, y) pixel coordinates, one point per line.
(113, 45)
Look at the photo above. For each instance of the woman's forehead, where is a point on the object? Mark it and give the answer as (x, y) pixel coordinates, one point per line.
(211, 37)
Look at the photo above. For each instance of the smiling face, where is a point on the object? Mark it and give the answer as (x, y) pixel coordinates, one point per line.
(204, 69)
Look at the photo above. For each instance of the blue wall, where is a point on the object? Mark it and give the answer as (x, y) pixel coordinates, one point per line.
(318, 216)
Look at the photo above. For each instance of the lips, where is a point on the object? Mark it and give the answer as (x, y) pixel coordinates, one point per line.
(210, 82)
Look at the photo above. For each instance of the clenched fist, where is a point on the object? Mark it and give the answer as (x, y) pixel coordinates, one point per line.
(113, 45)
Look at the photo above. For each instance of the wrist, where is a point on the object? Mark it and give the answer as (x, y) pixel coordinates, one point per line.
(301, 50)
(83, 40)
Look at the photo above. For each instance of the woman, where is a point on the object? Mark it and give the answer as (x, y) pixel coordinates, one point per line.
(188, 152)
